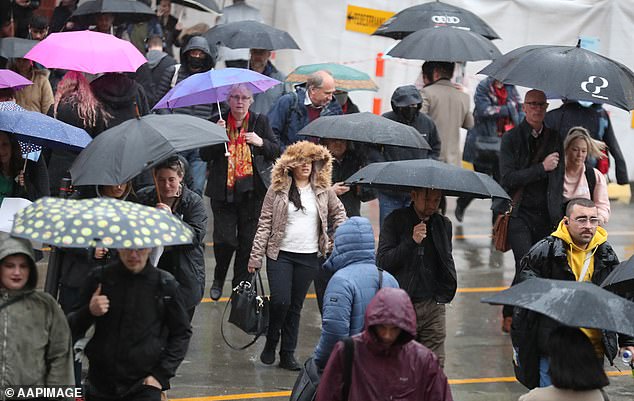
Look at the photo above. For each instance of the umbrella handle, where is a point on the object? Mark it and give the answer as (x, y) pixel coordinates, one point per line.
(219, 111)
(26, 159)
(158, 193)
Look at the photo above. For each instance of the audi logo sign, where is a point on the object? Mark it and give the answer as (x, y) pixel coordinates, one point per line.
(445, 19)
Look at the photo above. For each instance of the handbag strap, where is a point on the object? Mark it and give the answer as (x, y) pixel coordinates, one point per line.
(380, 278)
(222, 321)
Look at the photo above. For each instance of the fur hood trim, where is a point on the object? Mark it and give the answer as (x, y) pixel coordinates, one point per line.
(298, 153)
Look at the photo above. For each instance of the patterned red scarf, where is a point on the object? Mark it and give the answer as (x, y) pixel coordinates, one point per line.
(239, 159)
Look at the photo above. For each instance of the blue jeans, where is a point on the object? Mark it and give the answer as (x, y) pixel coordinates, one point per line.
(544, 376)
(391, 202)
(197, 171)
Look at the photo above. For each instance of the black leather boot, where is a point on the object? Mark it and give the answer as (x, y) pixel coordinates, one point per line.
(288, 361)
(268, 353)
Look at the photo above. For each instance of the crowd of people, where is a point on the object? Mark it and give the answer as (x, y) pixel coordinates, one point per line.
(279, 200)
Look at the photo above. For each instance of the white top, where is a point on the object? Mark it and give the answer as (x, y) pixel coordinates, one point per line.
(302, 226)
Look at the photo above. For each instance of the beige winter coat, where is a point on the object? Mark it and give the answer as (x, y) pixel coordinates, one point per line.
(37, 97)
(273, 218)
(449, 108)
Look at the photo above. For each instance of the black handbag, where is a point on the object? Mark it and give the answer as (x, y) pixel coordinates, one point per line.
(264, 169)
(487, 149)
(249, 310)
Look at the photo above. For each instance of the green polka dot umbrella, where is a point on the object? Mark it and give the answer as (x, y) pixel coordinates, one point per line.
(99, 222)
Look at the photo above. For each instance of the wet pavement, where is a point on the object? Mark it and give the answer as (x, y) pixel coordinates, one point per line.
(478, 360)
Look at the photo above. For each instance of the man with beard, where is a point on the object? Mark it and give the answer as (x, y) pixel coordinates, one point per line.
(260, 62)
(577, 250)
(406, 105)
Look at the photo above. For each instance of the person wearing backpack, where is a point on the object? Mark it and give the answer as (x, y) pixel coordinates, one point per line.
(141, 332)
(387, 363)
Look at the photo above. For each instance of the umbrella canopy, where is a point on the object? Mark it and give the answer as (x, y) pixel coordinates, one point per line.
(493, 187)
(87, 51)
(406, 175)
(568, 72)
(346, 78)
(621, 279)
(573, 303)
(430, 15)
(15, 47)
(103, 222)
(124, 11)
(445, 44)
(250, 35)
(213, 86)
(208, 6)
(366, 127)
(122, 152)
(40, 129)
(13, 80)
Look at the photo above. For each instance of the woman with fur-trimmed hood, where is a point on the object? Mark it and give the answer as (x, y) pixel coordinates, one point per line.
(293, 233)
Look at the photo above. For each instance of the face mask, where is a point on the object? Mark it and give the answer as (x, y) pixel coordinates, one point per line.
(408, 113)
(342, 98)
(196, 63)
(585, 103)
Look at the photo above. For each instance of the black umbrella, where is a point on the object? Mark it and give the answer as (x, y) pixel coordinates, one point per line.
(120, 153)
(430, 15)
(568, 72)
(250, 35)
(573, 303)
(445, 44)
(208, 6)
(406, 175)
(366, 127)
(493, 187)
(123, 11)
(15, 47)
(621, 279)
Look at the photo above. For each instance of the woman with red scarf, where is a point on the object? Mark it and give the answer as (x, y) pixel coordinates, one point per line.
(497, 110)
(237, 184)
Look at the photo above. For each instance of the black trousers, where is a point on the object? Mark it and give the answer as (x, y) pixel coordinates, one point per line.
(235, 224)
(144, 393)
(524, 231)
(289, 279)
(321, 282)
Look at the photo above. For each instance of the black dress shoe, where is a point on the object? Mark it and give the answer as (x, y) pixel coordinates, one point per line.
(288, 361)
(216, 290)
(268, 355)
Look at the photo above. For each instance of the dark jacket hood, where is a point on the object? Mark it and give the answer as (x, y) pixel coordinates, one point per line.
(200, 43)
(11, 246)
(404, 96)
(115, 90)
(392, 306)
(354, 243)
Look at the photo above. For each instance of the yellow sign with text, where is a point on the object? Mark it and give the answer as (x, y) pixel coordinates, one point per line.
(365, 20)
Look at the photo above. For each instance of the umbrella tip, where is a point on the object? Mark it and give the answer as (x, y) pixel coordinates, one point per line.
(579, 42)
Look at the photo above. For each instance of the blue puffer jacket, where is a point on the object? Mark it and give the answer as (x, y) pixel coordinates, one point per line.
(354, 283)
(289, 115)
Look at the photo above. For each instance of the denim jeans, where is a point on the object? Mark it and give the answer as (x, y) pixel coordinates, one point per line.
(197, 170)
(391, 202)
(544, 376)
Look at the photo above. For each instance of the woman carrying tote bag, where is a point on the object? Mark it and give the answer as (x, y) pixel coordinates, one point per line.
(293, 232)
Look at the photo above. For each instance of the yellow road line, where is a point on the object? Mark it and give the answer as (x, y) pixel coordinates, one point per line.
(275, 394)
(460, 290)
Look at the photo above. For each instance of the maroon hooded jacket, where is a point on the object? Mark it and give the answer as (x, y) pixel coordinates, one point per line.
(405, 370)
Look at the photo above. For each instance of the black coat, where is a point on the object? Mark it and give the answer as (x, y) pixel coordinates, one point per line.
(427, 129)
(516, 171)
(215, 156)
(145, 332)
(548, 259)
(342, 170)
(36, 182)
(121, 96)
(185, 262)
(401, 256)
(597, 121)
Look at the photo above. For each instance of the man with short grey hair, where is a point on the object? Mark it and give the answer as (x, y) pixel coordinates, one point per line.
(295, 110)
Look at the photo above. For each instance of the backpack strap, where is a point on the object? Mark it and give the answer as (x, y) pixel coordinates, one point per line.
(592, 179)
(348, 357)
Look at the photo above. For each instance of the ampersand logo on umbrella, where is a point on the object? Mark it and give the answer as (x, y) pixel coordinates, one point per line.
(598, 83)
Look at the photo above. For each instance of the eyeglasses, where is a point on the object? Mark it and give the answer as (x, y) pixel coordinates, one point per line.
(238, 98)
(541, 105)
(585, 220)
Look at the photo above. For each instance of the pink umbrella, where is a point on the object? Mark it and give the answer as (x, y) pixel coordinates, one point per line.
(10, 79)
(86, 51)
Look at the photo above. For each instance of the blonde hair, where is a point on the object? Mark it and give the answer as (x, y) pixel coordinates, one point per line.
(595, 148)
